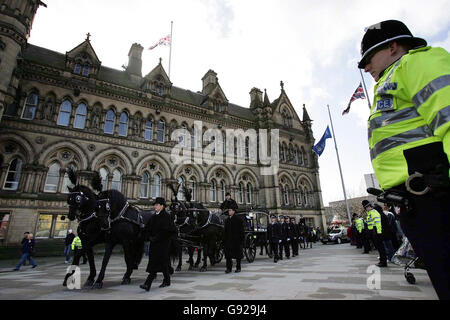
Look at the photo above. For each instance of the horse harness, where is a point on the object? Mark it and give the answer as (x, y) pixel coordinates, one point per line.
(121, 216)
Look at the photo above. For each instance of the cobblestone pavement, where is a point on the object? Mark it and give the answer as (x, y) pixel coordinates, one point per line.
(323, 272)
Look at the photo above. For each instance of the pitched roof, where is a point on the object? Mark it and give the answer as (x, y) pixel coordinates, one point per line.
(57, 60)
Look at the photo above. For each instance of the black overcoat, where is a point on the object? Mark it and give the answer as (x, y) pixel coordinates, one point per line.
(274, 232)
(233, 237)
(161, 228)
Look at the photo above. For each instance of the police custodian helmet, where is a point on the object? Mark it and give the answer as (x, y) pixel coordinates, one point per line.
(384, 32)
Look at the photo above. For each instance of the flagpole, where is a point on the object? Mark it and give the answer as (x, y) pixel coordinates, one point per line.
(365, 89)
(171, 41)
(340, 170)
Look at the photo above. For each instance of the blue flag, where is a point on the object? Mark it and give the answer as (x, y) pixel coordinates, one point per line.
(320, 146)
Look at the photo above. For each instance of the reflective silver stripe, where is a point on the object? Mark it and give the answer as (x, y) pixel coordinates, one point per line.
(400, 139)
(390, 117)
(441, 117)
(438, 83)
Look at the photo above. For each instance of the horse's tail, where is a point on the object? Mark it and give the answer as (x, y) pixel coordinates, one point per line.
(175, 248)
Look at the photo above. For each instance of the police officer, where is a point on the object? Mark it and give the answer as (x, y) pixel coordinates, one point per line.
(286, 232)
(374, 226)
(294, 236)
(274, 235)
(359, 225)
(409, 137)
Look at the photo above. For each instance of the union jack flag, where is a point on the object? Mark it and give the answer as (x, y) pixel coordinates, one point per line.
(359, 94)
(166, 41)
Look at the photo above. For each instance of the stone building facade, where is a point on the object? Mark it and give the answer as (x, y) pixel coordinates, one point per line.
(67, 109)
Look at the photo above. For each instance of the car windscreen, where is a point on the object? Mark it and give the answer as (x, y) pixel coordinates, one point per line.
(335, 231)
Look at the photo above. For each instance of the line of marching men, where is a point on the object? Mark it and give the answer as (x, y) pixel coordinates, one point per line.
(285, 234)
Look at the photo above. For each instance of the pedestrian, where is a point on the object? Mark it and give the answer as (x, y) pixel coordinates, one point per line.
(283, 237)
(234, 235)
(27, 252)
(228, 203)
(68, 245)
(160, 230)
(25, 238)
(274, 235)
(359, 225)
(294, 234)
(409, 138)
(374, 226)
(287, 237)
(386, 232)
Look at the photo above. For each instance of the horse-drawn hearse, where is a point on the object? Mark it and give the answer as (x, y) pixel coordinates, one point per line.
(255, 227)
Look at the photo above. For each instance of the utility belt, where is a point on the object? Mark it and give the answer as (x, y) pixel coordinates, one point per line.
(428, 169)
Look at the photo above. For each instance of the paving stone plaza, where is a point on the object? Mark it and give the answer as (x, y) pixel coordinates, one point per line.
(325, 272)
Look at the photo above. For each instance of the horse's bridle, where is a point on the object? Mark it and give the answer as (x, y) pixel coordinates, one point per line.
(119, 216)
(78, 199)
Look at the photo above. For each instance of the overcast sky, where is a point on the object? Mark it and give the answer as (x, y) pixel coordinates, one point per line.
(312, 46)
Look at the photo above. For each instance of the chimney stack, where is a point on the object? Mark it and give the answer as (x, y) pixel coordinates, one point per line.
(134, 68)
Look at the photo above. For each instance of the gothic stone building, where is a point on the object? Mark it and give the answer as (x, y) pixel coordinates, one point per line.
(67, 109)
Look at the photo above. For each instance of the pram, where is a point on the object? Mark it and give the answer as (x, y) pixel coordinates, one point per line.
(405, 256)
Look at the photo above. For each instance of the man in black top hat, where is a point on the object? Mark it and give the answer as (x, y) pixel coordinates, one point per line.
(228, 203)
(234, 235)
(160, 230)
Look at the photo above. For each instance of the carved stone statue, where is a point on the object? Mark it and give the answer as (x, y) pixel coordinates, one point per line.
(95, 118)
(48, 110)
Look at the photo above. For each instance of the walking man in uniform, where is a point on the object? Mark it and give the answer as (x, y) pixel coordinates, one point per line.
(274, 235)
(409, 138)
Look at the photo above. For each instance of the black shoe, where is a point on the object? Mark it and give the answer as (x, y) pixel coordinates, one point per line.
(281, 258)
(366, 252)
(381, 265)
(237, 270)
(275, 260)
(34, 266)
(145, 287)
(164, 284)
(228, 271)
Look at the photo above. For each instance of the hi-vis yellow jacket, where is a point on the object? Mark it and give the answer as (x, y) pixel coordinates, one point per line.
(76, 243)
(411, 108)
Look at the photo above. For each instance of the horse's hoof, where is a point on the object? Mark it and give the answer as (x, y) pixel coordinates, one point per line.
(135, 267)
(88, 283)
(126, 281)
(178, 269)
(203, 269)
(97, 285)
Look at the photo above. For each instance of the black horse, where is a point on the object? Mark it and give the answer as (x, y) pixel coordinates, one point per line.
(82, 203)
(125, 225)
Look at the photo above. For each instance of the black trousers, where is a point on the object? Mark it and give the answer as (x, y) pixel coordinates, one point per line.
(285, 245)
(294, 245)
(274, 249)
(358, 238)
(230, 263)
(366, 240)
(378, 241)
(427, 227)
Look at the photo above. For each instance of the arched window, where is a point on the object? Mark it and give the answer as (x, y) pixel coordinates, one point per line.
(286, 195)
(117, 180)
(148, 130)
(299, 197)
(156, 186)
(241, 193)
(85, 70)
(221, 193)
(296, 156)
(213, 191)
(160, 132)
(180, 195)
(249, 193)
(104, 176)
(64, 113)
(29, 110)
(77, 69)
(145, 185)
(66, 180)
(110, 121)
(193, 186)
(13, 175)
(247, 147)
(123, 124)
(52, 180)
(80, 116)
